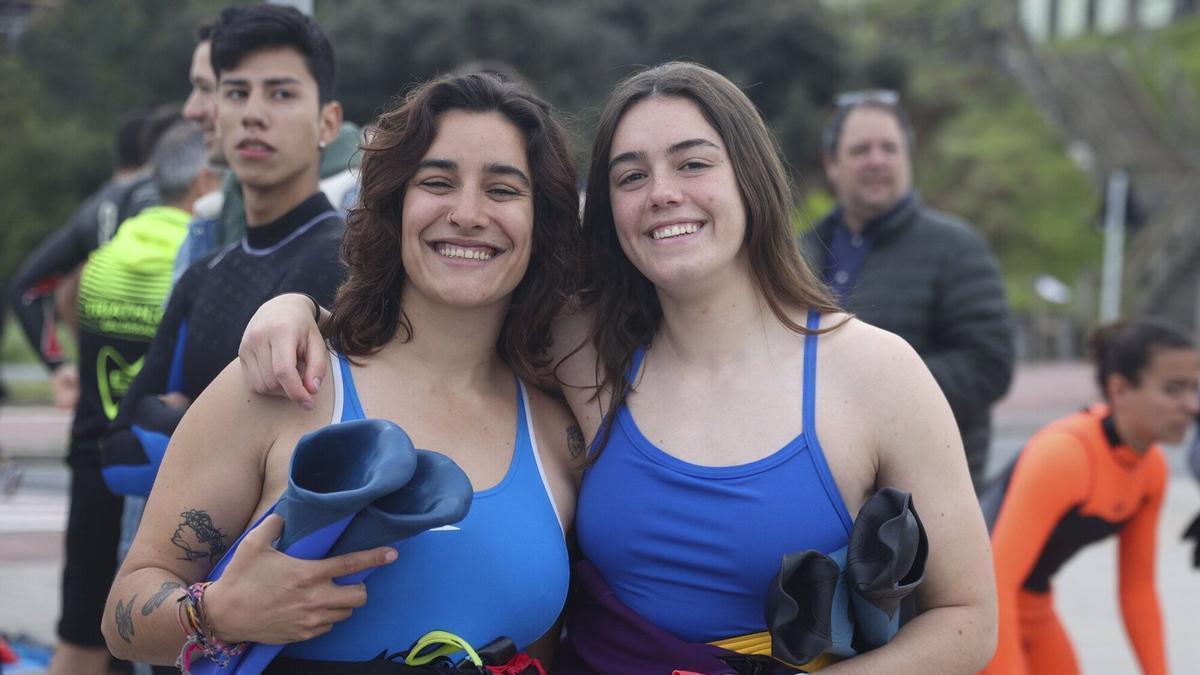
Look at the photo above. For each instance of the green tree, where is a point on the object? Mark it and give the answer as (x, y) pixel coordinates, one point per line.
(80, 65)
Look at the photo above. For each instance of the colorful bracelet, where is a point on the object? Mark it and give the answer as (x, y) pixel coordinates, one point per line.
(198, 634)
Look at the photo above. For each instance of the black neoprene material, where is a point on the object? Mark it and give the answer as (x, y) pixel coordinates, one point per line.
(1074, 532)
(799, 606)
(298, 253)
(30, 292)
(888, 550)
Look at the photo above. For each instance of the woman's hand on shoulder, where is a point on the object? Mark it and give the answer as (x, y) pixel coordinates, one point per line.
(282, 351)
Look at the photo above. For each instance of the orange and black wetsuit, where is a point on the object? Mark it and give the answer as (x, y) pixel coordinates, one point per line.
(1075, 483)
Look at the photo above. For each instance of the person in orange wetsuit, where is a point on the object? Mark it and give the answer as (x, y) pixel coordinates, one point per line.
(1082, 479)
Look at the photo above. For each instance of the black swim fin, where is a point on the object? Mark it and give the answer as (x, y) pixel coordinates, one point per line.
(799, 608)
(885, 562)
(1193, 532)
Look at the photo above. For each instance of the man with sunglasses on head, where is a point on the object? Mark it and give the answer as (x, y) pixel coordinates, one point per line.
(899, 265)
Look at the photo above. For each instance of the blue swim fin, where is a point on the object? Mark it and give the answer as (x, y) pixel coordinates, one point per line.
(335, 472)
(438, 494)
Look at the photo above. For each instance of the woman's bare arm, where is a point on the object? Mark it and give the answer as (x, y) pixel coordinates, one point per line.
(209, 487)
(919, 450)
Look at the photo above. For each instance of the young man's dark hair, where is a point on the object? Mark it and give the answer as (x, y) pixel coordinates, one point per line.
(158, 120)
(204, 31)
(130, 154)
(239, 31)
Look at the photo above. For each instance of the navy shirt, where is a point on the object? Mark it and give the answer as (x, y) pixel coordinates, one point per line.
(848, 250)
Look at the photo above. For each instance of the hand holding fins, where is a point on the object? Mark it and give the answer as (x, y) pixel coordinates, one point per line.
(335, 472)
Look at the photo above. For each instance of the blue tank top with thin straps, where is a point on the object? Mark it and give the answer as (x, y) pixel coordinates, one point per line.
(694, 548)
(503, 570)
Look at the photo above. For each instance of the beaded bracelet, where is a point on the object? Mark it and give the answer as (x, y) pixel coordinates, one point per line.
(199, 634)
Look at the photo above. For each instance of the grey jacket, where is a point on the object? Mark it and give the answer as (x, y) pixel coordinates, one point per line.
(931, 279)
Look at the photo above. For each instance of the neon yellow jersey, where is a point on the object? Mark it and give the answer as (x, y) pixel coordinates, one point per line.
(121, 294)
(125, 282)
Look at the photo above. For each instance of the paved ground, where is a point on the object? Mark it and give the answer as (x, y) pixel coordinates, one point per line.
(31, 529)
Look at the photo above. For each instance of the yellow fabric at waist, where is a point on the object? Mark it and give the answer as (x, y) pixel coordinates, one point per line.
(760, 644)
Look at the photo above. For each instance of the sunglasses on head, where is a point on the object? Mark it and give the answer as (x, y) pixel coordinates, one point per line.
(853, 98)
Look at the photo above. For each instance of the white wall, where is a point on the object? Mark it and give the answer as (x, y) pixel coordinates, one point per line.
(1072, 14)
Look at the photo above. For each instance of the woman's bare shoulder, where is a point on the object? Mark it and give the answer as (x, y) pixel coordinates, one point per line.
(862, 352)
(230, 405)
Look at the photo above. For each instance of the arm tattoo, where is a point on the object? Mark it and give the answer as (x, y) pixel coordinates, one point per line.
(124, 616)
(158, 598)
(574, 440)
(198, 538)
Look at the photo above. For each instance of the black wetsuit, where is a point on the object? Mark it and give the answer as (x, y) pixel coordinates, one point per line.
(93, 522)
(30, 293)
(203, 325)
(121, 293)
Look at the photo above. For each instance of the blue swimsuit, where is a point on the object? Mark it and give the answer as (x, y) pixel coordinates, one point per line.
(693, 548)
(501, 571)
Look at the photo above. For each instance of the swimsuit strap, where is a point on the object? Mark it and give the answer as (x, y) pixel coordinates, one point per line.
(635, 364)
(810, 373)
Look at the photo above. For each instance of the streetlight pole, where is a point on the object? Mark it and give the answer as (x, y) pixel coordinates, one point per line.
(1114, 245)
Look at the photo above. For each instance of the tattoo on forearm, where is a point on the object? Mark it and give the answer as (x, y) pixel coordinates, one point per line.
(158, 598)
(198, 538)
(124, 616)
(574, 440)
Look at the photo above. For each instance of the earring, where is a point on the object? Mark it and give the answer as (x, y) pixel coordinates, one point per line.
(321, 145)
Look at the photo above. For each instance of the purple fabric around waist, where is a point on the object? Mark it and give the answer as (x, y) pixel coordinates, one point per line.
(605, 636)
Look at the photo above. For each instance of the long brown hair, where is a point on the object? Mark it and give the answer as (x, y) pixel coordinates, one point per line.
(367, 312)
(625, 307)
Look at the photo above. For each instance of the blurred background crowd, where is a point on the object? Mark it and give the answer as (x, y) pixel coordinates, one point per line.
(1025, 111)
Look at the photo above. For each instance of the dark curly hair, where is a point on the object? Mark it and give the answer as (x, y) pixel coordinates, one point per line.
(367, 312)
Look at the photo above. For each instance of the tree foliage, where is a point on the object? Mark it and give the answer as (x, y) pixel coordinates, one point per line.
(983, 151)
(83, 63)
(78, 67)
